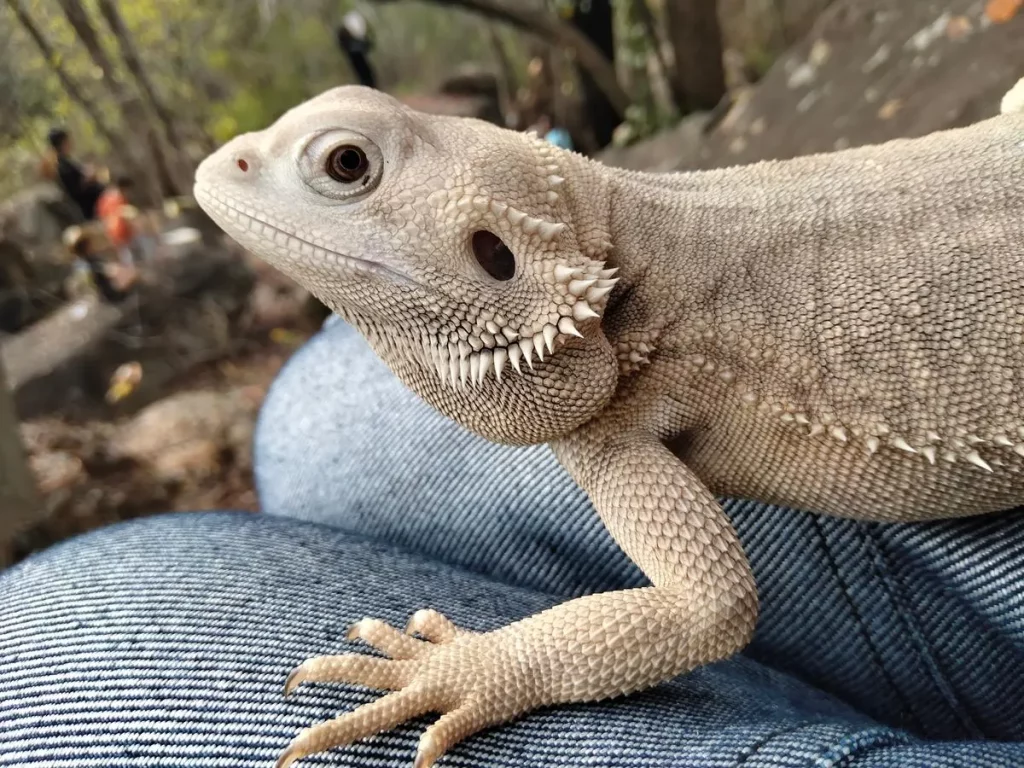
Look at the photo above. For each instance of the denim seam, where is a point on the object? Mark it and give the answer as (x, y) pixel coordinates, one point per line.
(751, 751)
(876, 656)
(854, 746)
(920, 642)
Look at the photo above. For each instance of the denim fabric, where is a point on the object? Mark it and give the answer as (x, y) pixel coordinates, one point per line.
(165, 642)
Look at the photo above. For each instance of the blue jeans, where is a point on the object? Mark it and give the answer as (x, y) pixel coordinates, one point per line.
(165, 641)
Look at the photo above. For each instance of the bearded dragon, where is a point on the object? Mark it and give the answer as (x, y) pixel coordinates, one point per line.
(841, 333)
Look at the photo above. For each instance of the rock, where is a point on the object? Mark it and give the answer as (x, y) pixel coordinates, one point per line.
(185, 310)
(33, 261)
(662, 152)
(468, 93)
(16, 277)
(894, 69)
(187, 436)
(454, 106)
(868, 71)
(57, 470)
(471, 82)
(38, 216)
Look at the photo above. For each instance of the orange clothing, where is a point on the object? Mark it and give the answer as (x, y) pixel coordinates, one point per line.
(110, 209)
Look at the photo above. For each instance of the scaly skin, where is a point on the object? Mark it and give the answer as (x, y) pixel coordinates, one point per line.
(839, 333)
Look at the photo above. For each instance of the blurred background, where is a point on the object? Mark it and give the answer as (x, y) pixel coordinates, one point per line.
(137, 343)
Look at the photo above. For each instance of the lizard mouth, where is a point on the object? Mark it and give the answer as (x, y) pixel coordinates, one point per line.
(304, 252)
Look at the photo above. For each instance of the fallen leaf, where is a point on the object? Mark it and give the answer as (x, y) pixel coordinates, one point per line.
(56, 470)
(285, 336)
(124, 381)
(1001, 11)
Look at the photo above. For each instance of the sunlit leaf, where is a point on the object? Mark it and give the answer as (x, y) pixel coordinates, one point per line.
(1002, 11)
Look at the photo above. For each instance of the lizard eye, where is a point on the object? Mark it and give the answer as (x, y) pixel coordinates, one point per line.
(341, 164)
(347, 163)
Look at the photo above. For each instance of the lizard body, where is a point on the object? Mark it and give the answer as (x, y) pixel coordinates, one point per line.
(839, 333)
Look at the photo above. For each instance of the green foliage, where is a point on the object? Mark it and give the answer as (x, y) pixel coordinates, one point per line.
(221, 67)
(646, 115)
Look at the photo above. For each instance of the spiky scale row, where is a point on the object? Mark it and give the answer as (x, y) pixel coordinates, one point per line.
(547, 231)
(461, 363)
(964, 447)
(470, 361)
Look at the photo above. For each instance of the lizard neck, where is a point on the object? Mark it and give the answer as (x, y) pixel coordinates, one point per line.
(673, 230)
(674, 241)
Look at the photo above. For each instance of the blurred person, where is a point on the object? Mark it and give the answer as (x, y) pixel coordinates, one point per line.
(79, 183)
(356, 42)
(112, 281)
(124, 227)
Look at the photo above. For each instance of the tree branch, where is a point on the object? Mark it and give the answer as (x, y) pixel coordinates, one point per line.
(132, 60)
(549, 28)
(79, 20)
(54, 61)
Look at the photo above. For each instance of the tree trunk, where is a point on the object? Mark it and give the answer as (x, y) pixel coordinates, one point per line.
(19, 499)
(507, 85)
(134, 112)
(656, 34)
(182, 168)
(698, 77)
(104, 129)
(557, 33)
(634, 69)
(594, 19)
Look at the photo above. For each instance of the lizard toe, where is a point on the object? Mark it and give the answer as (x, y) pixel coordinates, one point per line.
(370, 671)
(471, 681)
(450, 729)
(386, 639)
(434, 626)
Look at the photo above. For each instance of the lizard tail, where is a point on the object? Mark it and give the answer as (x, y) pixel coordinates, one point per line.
(1013, 101)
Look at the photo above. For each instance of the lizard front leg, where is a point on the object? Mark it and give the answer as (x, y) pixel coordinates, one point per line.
(701, 608)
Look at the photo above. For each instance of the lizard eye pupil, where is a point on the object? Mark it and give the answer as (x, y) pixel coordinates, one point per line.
(347, 164)
(493, 255)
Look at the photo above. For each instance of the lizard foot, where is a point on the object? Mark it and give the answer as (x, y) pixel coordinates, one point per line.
(445, 672)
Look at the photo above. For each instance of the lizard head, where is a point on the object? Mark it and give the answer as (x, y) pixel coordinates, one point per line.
(456, 247)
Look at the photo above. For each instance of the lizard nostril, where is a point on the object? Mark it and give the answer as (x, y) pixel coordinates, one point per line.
(242, 164)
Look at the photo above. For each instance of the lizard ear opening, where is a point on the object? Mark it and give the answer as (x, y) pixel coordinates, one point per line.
(493, 255)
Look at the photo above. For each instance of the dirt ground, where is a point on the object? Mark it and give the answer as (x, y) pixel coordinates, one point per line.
(190, 450)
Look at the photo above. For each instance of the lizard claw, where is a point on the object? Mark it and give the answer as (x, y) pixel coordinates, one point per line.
(294, 679)
(457, 673)
(377, 716)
